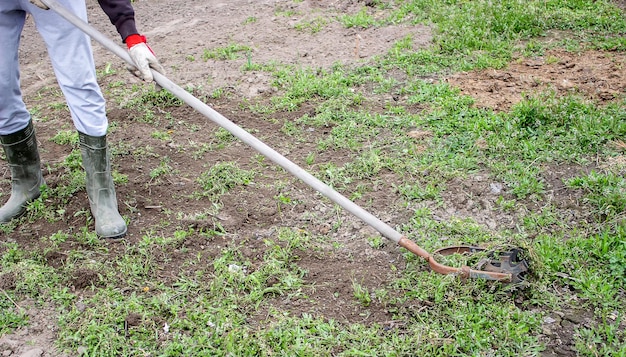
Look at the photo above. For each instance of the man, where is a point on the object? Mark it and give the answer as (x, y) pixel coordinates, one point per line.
(72, 58)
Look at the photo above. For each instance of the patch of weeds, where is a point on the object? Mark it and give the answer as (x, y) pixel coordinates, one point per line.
(73, 177)
(230, 52)
(147, 96)
(591, 263)
(116, 84)
(534, 48)
(221, 178)
(251, 66)
(147, 102)
(350, 134)
(8, 227)
(421, 192)
(376, 241)
(175, 240)
(250, 20)
(37, 208)
(11, 316)
(310, 158)
(34, 278)
(361, 293)
(163, 169)
(59, 106)
(361, 19)
(290, 129)
(547, 219)
(65, 137)
(505, 205)
(592, 126)
(605, 191)
(481, 318)
(284, 200)
(606, 339)
(199, 150)
(219, 297)
(162, 135)
(312, 26)
(334, 176)
(217, 93)
(119, 178)
(108, 70)
(523, 179)
(463, 42)
(59, 237)
(279, 11)
(223, 137)
(86, 235)
(11, 254)
(302, 84)
(369, 164)
(545, 130)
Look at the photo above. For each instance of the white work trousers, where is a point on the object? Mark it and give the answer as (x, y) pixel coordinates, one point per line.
(71, 55)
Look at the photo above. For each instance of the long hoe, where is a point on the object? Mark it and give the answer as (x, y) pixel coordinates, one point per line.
(505, 266)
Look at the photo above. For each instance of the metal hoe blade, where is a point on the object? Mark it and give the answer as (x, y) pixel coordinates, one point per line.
(501, 262)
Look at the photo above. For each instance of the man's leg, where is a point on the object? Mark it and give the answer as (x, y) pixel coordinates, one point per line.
(17, 135)
(72, 58)
(13, 113)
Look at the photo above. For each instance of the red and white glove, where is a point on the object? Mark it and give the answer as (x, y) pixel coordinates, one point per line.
(39, 4)
(143, 57)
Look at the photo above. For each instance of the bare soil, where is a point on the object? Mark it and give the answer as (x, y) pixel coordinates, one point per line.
(180, 30)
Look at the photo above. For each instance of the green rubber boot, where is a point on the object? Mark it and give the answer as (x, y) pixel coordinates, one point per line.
(100, 189)
(26, 177)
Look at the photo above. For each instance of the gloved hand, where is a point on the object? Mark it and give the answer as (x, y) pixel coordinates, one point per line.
(39, 4)
(143, 57)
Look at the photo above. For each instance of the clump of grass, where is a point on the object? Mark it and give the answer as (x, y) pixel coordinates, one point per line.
(312, 26)
(361, 19)
(231, 52)
(605, 191)
(221, 178)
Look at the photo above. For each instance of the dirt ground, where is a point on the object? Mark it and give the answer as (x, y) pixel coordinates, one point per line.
(179, 30)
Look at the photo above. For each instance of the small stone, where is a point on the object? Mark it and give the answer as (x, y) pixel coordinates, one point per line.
(549, 320)
(82, 350)
(80, 306)
(234, 268)
(495, 188)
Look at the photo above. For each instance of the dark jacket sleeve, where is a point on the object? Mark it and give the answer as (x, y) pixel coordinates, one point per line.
(122, 15)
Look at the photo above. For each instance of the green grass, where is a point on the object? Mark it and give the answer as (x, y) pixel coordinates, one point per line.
(232, 295)
(312, 26)
(230, 52)
(221, 178)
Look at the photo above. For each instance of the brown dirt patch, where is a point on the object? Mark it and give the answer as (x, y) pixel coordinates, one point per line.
(7, 281)
(600, 76)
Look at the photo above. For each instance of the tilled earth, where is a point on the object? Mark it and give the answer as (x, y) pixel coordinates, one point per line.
(179, 32)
